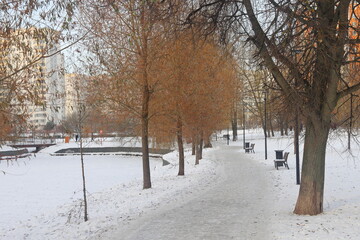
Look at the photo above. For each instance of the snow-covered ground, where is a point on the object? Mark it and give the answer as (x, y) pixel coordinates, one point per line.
(341, 217)
(40, 196)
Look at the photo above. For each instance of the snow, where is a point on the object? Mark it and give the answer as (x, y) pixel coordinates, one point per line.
(7, 148)
(40, 196)
(340, 219)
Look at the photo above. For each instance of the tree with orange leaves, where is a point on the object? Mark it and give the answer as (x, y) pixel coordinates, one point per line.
(126, 38)
(195, 97)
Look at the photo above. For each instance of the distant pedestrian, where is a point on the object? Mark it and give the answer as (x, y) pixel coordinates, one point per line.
(76, 137)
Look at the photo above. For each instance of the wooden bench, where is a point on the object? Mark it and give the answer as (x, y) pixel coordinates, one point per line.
(250, 149)
(282, 162)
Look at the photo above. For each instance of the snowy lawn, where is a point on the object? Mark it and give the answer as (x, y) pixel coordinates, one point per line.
(40, 196)
(32, 190)
(341, 217)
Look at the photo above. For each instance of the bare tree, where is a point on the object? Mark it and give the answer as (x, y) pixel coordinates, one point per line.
(80, 117)
(304, 44)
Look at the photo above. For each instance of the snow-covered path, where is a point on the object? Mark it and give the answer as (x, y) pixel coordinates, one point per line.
(234, 208)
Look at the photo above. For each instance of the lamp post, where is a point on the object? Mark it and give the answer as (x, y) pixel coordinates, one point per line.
(244, 123)
(296, 142)
(350, 123)
(296, 130)
(265, 117)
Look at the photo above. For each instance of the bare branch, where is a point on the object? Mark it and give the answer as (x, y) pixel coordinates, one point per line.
(348, 91)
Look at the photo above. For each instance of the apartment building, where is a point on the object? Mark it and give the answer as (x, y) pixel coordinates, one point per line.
(40, 87)
(74, 92)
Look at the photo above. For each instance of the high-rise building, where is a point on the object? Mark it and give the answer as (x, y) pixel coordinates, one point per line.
(40, 85)
(74, 84)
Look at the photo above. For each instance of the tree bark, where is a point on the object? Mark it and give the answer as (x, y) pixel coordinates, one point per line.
(83, 179)
(201, 145)
(271, 125)
(207, 142)
(145, 99)
(310, 199)
(234, 124)
(181, 147)
(281, 125)
(145, 138)
(197, 146)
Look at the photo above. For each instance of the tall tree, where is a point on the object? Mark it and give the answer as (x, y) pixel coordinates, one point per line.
(309, 41)
(125, 38)
(197, 95)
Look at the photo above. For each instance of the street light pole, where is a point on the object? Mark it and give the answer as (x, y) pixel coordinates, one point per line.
(350, 123)
(296, 130)
(296, 140)
(265, 117)
(244, 123)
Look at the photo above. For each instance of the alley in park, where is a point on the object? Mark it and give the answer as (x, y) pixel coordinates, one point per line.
(236, 207)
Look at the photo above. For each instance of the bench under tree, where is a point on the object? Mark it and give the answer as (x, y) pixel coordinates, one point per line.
(282, 161)
(250, 148)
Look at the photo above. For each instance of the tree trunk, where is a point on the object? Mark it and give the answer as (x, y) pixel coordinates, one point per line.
(310, 199)
(264, 130)
(197, 145)
(201, 146)
(234, 125)
(281, 125)
(145, 99)
(207, 142)
(181, 147)
(193, 146)
(145, 138)
(83, 179)
(271, 125)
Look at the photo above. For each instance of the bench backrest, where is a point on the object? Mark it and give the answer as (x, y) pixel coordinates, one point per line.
(286, 154)
(252, 145)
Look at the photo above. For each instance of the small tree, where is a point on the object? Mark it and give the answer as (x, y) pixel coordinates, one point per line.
(78, 120)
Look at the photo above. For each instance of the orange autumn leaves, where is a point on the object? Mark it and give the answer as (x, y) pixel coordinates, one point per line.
(190, 78)
(197, 81)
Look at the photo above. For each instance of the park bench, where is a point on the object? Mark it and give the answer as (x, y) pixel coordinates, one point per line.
(282, 161)
(250, 149)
